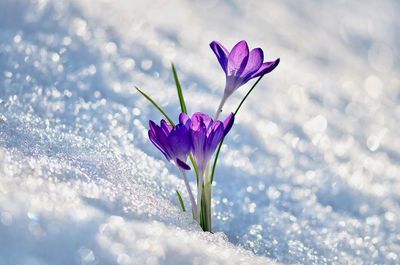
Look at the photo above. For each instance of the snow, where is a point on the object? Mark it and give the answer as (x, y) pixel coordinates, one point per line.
(308, 175)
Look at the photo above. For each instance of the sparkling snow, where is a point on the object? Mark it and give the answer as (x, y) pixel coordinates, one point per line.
(308, 175)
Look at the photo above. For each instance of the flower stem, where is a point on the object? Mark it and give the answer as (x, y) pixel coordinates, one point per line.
(221, 104)
(192, 201)
(205, 204)
(203, 213)
(207, 192)
(199, 195)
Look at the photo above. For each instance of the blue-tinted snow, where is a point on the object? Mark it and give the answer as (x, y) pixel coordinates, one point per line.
(309, 174)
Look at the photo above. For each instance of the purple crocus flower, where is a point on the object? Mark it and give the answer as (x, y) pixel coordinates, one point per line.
(206, 135)
(240, 65)
(173, 142)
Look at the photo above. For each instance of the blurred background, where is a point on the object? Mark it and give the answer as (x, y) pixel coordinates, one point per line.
(309, 174)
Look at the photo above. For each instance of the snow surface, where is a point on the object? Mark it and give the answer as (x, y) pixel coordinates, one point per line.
(309, 174)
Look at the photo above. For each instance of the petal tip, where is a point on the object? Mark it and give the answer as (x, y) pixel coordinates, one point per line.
(221, 52)
(228, 123)
(182, 164)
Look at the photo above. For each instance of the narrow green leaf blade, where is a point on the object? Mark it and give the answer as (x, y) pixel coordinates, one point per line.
(181, 201)
(236, 111)
(248, 93)
(179, 89)
(195, 167)
(216, 160)
(156, 105)
(184, 110)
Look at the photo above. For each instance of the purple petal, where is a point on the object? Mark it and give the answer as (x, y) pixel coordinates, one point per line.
(213, 127)
(221, 52)
(214, 138)
(198, 139)
(179, 141)
(232, 83)
(159, 139)
(256, 57)
(182, 164)
(198, 145)
(195, 122)
(228, 123)
(157, 144)
(199, 118)
(266, 68)
(237, 58)
(166, 127)
(206, 119)
(184, 119)
(152, 126)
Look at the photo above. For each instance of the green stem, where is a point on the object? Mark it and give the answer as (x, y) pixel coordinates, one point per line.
(203, 212)
(208, 197)
(206, 211)
(199, 197)
(196, 171)
(189, 190)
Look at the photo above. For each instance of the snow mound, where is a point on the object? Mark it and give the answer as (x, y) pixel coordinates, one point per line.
(70, 200)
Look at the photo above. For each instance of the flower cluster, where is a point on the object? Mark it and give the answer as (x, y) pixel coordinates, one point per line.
(199, 136)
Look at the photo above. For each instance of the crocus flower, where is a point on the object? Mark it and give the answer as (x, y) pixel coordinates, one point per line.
(175, 143)
(206, 135)
(240, 65)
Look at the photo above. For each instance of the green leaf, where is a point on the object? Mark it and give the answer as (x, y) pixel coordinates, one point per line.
(156, 105)
(181, 201)
(236, 111)
(195, 167)
(184, 110)
(216, 160)
(248, 93)
(178, 87)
